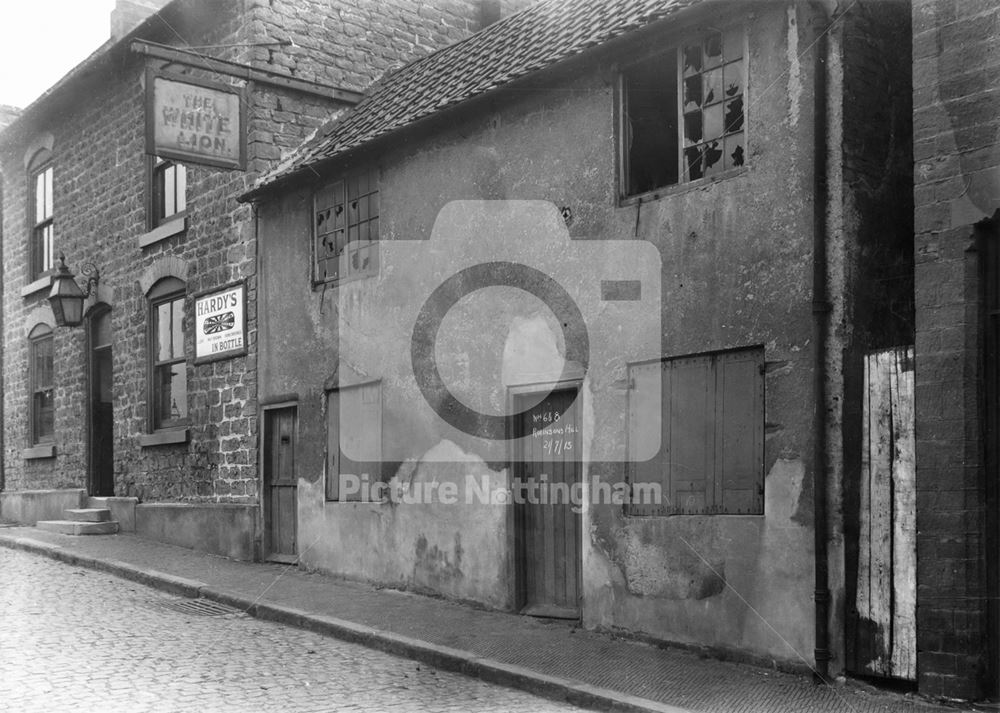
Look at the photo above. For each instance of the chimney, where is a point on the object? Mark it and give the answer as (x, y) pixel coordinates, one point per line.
(129, 13)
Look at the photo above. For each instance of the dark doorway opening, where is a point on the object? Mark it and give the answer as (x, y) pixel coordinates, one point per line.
(101, 481)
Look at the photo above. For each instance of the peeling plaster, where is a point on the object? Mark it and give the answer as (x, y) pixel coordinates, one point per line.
(794, 67)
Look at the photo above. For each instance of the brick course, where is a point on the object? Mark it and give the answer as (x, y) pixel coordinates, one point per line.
(957, 159)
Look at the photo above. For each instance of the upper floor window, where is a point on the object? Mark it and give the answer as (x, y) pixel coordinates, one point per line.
(41, 381)
(167, 361)
(169, 190)
(41, 248)
(345, 228)
(684, 113)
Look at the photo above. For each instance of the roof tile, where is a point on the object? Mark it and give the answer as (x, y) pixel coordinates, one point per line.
(535, 38)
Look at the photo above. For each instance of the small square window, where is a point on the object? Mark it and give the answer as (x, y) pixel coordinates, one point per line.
(684, 113)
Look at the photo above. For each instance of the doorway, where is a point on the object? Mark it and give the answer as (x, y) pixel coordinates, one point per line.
(547, 523)
(279, 491)
(101, 480)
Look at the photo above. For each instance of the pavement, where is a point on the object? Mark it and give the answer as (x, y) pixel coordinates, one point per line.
(547, 658)
(73, 640)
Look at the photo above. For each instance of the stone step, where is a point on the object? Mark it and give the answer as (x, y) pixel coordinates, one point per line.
(88, 514)
(74, 527)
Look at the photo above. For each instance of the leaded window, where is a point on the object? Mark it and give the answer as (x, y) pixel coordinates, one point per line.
(346, 228)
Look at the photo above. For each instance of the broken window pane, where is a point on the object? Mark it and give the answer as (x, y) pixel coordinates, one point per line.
(692, 93)
(692, 128)
(712, 157)
(733, 79)
(713, 50)
(712, 85)
(734, 115)
(692, 60)
(675, 124)
(734, 157)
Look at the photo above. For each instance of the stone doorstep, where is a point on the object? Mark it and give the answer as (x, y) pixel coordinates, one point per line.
(74, 527)
(88, 514)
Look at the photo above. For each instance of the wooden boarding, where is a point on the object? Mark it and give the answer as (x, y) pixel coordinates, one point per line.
(887, 556)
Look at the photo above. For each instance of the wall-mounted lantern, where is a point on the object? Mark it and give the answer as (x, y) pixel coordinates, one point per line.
(66, 297)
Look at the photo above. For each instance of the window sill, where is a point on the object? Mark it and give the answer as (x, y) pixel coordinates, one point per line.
(163, 438)
(45, 450)
(174, 226)
(42, 283)
(658, 193)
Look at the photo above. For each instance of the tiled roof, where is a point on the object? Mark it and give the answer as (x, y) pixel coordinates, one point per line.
(538, 37)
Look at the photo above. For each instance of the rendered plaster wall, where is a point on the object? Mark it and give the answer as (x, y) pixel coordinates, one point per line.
(736, 257)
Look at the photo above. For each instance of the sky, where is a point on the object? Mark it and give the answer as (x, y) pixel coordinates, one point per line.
(41, 40)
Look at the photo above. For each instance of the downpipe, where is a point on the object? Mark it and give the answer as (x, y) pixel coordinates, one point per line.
(820, 318)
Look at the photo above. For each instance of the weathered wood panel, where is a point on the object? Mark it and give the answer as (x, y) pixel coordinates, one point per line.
(886, 589)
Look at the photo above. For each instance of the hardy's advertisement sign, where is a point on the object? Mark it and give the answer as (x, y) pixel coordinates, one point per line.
(220, 324)
(194, 120)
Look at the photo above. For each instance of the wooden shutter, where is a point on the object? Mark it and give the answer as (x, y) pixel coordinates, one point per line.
(645, 429)
(691, 404)
(354, 436)
(739, 451)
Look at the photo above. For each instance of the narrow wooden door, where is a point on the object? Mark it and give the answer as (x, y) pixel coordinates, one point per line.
(882, 621)
(548, 531)
(102, 476)
(280, 484)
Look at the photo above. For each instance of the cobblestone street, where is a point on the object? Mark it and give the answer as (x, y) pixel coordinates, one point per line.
(77, 640)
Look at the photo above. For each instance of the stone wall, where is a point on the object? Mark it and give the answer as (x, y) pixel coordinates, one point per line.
(956, 119)
(95, 127)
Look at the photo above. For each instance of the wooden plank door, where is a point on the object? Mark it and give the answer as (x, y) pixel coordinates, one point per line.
(884, 616)
(280, 484)
(548, 531)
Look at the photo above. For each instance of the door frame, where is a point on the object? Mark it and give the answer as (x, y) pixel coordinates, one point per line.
(98, 310)
(514, 561)
(262, 488)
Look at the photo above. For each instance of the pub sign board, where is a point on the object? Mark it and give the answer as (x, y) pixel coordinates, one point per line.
(220, 323)
(195, 120)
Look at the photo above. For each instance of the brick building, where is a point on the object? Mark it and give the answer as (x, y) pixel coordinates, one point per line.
(723, 191)
(956, 125)
(121, 406)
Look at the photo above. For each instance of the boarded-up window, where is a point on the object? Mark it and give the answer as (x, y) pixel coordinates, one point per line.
(354, 441)
(346, 228)
(684, 113)
(711, 430)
